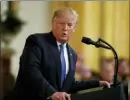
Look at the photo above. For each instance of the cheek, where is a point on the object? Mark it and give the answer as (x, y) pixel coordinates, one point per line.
(57, 26)
(70, 33)
(71, 30)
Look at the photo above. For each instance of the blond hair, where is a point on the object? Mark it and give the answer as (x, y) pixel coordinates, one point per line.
(65, 9)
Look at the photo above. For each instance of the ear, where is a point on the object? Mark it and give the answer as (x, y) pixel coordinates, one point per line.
(74, 28)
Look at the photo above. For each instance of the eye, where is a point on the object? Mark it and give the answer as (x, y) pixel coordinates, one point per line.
(62, 23)
(70, 24)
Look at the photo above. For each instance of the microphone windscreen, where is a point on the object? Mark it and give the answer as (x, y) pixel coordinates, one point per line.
(86, 40)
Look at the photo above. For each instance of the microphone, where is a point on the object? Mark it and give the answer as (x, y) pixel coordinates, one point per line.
(97, 44)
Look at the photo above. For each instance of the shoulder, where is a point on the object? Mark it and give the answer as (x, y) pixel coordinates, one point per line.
(37, 38)
(71, 49)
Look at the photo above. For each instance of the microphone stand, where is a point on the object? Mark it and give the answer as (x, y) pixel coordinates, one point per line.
(116, 60)
(115, 93)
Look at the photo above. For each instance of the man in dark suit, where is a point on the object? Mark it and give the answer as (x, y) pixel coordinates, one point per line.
(47, 64)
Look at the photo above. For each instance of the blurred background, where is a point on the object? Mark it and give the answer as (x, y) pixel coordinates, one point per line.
(108, 20)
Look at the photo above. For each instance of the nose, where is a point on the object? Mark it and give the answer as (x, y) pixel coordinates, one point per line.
(65, 27)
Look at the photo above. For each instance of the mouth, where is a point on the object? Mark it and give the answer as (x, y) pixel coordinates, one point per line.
(64, 33)
(64, 36)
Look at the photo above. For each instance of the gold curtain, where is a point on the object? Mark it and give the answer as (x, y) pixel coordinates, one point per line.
(108, 20)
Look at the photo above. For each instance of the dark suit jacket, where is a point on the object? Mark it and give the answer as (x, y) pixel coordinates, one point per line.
(40, 70)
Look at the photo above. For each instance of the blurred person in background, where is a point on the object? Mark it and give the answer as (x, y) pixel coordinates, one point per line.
(79, 66)
(124, 73)
(107, 70)
(123, 70)
(48, 63)
(82, 71)
(86, 73)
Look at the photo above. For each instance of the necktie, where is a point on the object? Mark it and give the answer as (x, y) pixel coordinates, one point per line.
(63, 64)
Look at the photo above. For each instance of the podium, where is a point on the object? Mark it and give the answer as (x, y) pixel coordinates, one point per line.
(113, 93)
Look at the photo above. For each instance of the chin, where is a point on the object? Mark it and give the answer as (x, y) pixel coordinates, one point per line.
(64, 40)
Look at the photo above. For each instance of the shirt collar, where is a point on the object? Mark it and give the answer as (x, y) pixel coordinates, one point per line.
(58, 43)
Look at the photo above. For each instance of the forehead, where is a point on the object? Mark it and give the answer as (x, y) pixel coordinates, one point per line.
(66, 17)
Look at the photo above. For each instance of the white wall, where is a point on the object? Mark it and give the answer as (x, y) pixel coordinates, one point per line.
(3, 9)
(37, 16)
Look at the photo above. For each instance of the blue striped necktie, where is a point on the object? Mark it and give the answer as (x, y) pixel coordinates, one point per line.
(63, 64)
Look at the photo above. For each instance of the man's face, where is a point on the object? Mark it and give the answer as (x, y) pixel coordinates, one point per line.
(63, 26)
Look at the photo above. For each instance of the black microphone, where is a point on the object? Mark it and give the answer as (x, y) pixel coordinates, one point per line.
(97, 44)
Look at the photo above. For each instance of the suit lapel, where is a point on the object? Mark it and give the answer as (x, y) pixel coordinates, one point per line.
(57, 64)
(70, 75)
(54, 48)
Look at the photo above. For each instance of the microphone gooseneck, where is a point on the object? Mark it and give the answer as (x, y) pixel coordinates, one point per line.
(91, 42)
